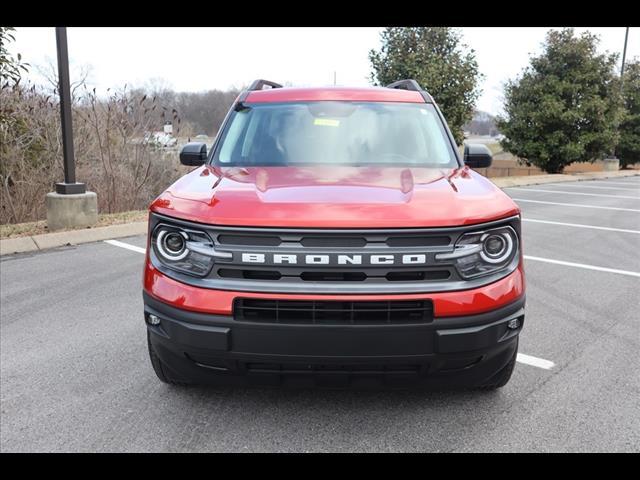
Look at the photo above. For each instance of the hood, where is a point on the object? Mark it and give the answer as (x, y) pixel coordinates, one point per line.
(334, 197)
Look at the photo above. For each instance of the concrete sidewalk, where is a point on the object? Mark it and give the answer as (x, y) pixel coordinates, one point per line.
(76, 237)
(70, 237)
(523, 181)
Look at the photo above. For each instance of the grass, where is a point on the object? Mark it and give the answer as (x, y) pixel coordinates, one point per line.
(13, 230)
(495, 148)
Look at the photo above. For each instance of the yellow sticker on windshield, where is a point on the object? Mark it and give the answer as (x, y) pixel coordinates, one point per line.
(326, 122)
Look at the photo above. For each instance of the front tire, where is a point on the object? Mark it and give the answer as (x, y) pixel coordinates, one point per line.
(162, 371)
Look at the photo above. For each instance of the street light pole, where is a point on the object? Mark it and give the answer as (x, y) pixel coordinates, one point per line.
(69, 186)
(624, 56)
(70, 206)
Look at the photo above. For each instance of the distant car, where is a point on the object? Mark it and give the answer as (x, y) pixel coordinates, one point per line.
(336, 236)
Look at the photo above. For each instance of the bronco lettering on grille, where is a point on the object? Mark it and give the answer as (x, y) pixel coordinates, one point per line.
(339, 259)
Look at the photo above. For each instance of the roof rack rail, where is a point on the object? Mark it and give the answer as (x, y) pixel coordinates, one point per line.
(408, 84)
(260, 83)
(411, 84)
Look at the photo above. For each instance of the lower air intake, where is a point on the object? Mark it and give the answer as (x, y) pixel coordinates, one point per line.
(328, 312)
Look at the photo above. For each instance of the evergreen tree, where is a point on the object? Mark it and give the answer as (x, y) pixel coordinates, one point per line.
(565, 106)
(434, 57)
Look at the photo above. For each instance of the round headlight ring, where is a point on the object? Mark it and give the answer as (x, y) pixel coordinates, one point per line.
(500, 256)
(166, 243)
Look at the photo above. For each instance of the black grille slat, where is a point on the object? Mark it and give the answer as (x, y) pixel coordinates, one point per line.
(253, 240)
(333, 276)
(335, 241)
(413, 276)
(333, 369)
(249, 274)
(340, 276)
(418, 241)
(331, 312)
(330, 242)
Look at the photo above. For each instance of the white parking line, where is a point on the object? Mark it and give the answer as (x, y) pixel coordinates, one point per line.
(133, 248)
(605, 182)
(582, 265)
(575, 205)
(579, 225)
(573, 193)
(598, 187)
(535, 361)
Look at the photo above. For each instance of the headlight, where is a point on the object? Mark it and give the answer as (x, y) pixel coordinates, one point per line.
(172, 245)
(185, 250)
(483, 253)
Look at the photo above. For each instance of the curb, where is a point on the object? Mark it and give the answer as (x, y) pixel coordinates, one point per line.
(77, 237)
(71, 237)
(504, 182)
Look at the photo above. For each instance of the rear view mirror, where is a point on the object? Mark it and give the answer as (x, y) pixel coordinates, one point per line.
(477, 155)
(193, 154)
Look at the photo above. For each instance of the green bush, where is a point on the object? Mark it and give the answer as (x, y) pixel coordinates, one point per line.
(565, 106)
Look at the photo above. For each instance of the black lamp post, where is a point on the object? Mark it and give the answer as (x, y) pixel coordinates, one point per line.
(69, 185)
(70, 206)
(624, 56)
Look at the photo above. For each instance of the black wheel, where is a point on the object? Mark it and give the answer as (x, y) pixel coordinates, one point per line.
(501, 378)
(162, 371)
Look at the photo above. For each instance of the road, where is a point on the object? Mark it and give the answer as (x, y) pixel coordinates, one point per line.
(75, 376)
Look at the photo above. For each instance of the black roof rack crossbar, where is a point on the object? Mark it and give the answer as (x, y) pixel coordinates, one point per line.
(408, 84)
(260, 83)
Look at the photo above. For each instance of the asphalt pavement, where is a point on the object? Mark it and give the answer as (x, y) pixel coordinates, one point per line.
(75, 375)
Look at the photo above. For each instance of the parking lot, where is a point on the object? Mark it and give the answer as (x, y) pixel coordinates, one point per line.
(75, 375)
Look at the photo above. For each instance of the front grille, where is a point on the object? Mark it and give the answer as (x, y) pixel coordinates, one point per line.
(335, 261)
(331, 312)
(330, 244)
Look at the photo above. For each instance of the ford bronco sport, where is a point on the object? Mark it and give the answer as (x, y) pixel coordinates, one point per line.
(334, 237)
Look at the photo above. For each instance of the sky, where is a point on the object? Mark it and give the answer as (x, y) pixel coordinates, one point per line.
(198, 58)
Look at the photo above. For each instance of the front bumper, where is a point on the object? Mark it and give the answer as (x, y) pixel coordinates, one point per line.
(449, 351)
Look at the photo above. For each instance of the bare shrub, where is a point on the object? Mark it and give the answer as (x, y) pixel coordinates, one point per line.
(205, 111)
(114, 154)
(30, 152)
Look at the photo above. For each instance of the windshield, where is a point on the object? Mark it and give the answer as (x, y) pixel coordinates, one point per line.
(335, 133)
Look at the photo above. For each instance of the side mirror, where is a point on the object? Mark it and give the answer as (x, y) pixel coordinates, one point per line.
(193, 154)
(477, 155)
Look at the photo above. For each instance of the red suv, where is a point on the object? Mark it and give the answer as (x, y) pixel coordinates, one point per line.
(334, 236)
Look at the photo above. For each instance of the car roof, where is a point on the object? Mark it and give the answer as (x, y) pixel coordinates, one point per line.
(354, 94)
